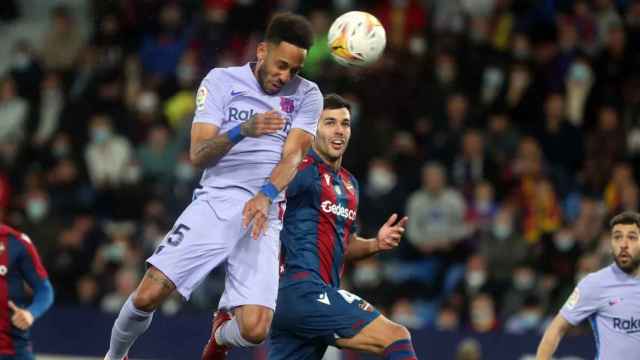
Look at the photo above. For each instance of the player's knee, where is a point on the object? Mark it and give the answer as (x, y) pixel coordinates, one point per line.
(256, 334)
(146, 300)
(394, 333)
(255, 329)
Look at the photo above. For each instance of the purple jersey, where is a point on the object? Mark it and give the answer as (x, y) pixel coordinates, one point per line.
(610, 298)
(228, 97)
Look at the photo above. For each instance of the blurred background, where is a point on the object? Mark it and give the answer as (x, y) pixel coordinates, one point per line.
(507, 130)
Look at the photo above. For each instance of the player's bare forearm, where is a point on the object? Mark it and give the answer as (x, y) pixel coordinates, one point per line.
(552, 336)
(388, 238)
(360, 248)
(208, 145)
(207, 152)
(297, 144)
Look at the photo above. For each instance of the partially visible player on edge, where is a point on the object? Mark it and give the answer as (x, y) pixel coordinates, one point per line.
(609, 298)
(252, 127)
(319, 235)
(20, 262)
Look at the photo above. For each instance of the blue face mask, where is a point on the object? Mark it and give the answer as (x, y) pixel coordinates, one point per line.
(36, 210)
(579, 72)
(100, 135)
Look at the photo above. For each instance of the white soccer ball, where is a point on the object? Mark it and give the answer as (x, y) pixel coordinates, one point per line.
(356, 38)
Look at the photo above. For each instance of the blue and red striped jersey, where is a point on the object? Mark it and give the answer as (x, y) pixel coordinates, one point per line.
(319, 220)
(19, 263)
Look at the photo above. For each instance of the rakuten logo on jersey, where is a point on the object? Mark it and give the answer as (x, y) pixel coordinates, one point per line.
(339, 210)
(631, 325)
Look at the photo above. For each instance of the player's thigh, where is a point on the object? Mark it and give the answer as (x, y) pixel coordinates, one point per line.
(253, 269)
(375, 337)
(316, 311)
(286, 346)
(201, 238)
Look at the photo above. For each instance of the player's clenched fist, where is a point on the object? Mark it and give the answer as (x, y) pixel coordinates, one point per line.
(21, 318)
(261, 124)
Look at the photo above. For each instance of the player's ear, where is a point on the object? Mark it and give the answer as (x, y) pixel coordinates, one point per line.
(261, 52)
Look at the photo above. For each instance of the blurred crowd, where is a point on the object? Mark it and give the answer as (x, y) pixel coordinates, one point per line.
(508, 131)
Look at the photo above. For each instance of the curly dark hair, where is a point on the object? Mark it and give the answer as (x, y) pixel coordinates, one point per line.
(291, 28)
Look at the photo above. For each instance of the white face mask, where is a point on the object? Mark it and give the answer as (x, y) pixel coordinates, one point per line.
(366, 276)
(21, 61)
(564, 242)
(475, 279)
(381, 181)
(523, 282)
(36, 209)
(184, 171)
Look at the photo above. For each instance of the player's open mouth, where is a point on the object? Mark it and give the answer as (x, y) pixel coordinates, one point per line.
(337, 144)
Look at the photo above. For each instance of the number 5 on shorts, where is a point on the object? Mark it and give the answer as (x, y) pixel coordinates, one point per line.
(175, 237)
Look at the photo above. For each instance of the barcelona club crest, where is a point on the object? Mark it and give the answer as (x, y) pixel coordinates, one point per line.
(286, 105)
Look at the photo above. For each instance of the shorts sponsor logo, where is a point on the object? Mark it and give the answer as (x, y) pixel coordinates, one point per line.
(339, 210)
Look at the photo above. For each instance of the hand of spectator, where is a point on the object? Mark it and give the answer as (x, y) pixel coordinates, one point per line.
(391, 232)
(21, 318)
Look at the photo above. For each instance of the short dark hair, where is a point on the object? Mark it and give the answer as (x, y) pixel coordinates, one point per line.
(625, 218)
(335, 101)
(291, 28)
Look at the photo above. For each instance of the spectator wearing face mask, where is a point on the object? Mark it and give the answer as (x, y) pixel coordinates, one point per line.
(382, 195)
(503, 246)
(524, 282)
(529, 319)
(13, 112)
(482, 314)
(108, 156)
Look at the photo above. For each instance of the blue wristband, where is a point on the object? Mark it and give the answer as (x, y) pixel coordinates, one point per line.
(235, 135)
(270, 190)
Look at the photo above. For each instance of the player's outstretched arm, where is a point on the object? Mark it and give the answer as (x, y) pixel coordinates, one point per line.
(208, 145)
(256, 210)
(552, 336)
(388, 238)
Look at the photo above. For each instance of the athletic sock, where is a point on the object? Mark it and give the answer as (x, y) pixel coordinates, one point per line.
(130, 324)
(228, 334)
(400, 350)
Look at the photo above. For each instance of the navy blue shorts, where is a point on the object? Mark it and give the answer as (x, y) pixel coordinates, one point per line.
(21, 354)
(310, 316)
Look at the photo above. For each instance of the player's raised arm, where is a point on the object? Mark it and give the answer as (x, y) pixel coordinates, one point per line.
(256, 210)
(552, 336)
(299, 140)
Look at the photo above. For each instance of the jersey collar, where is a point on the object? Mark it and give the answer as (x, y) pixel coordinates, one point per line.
(320, 160)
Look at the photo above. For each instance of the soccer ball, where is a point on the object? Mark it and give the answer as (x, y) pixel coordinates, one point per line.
(356, 38)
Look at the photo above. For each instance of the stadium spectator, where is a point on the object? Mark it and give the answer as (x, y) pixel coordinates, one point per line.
(62, 42)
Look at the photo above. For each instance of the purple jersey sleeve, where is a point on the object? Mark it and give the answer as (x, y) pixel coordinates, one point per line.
(210, 100)
(310, 109)
(583, 301)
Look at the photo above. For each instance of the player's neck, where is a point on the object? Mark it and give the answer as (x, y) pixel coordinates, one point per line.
(335, 164)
